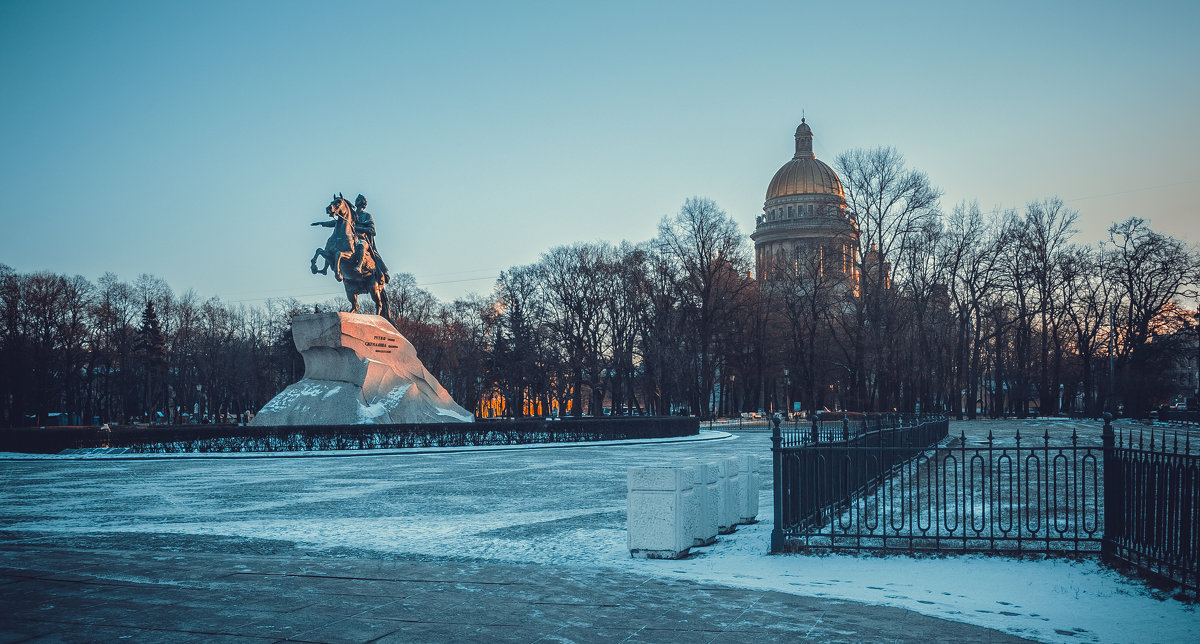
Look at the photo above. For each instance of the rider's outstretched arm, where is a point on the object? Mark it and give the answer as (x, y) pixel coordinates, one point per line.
(327, 224)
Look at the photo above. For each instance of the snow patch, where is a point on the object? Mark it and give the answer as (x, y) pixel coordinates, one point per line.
(441, 411)
(368, 413)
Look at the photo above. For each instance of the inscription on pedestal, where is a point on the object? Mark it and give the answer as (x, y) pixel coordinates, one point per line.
(382, 344)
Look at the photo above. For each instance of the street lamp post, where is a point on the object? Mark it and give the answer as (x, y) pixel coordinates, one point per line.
(1112, 348)
(787, 394)
(731, 407)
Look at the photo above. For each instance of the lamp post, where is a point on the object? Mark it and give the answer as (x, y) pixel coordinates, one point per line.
(731, 407)
(787, 394)
(1112, 348)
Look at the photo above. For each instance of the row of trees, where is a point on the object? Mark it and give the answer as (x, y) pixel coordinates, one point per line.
(958, 310)
(117, 351)
(1000, 312)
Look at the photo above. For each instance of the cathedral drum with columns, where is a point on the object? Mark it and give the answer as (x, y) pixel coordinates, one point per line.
(805, 218)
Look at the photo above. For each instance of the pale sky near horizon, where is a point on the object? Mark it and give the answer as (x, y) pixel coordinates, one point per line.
(197, 140)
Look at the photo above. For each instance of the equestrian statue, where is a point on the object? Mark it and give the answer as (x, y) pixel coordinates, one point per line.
(350, 251)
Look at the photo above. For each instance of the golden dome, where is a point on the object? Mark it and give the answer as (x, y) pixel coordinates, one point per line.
(804, 174)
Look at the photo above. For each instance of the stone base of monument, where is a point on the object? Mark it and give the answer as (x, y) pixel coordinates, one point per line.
(358, 369)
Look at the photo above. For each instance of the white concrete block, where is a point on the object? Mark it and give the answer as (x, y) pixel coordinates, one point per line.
(750, 484)
(705, 524)
(727, 491)
(658, 500)
(691, 509)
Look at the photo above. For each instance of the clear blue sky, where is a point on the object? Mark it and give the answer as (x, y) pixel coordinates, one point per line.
(197, 140)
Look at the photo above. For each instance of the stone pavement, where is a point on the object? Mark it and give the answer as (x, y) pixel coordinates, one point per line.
(50, 593)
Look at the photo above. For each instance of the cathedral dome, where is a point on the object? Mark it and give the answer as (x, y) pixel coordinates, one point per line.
(804, 174)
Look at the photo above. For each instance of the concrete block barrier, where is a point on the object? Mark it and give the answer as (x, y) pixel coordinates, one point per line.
(749, 485)
(727, 491)
(707, 501)
(691, 506)
(658, 503)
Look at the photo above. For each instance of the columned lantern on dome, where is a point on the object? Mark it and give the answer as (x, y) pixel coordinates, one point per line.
(805, 216)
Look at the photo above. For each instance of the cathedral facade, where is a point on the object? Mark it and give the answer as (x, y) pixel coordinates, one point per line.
(805, 219)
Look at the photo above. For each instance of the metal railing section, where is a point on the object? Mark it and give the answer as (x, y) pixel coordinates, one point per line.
(1152, 501)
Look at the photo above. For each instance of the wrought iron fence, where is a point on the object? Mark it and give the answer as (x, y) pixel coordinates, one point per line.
(1132, 497)
(821, 471)
(1152, 493)
(745, 424)
(848, 426)
(822, 426)
(995, 497)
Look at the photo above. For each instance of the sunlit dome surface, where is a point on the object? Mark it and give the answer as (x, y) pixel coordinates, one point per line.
(804, 174)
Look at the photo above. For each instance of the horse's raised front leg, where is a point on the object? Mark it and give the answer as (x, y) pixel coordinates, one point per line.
(323, 270)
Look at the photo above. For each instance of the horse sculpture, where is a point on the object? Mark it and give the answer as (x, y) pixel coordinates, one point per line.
(343, 244)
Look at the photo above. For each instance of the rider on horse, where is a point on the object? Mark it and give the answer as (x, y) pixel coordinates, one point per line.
(364, 227)
(352, 239)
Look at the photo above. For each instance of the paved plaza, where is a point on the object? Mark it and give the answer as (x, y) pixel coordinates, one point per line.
(523, 545)
(106, 595)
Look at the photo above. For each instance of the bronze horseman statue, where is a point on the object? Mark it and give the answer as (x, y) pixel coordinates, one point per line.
(351, 252)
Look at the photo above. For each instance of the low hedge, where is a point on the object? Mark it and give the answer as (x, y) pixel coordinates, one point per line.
(238, 438)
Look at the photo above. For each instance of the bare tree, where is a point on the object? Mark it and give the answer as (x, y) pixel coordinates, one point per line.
(573, 290)
(1086, 296)
(712, 268)
(1150, 271)
(1044, 238)
(623, 298)
(808, 296)
(518, 359)
(892, 205)
(667, 363)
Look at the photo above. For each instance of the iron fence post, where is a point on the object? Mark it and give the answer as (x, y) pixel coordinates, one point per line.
(1112, 492)
(777, 539)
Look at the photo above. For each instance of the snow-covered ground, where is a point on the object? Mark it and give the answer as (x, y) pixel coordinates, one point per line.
(557, 507)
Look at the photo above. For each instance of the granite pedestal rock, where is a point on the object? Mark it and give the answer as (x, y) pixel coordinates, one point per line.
(358, 369)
